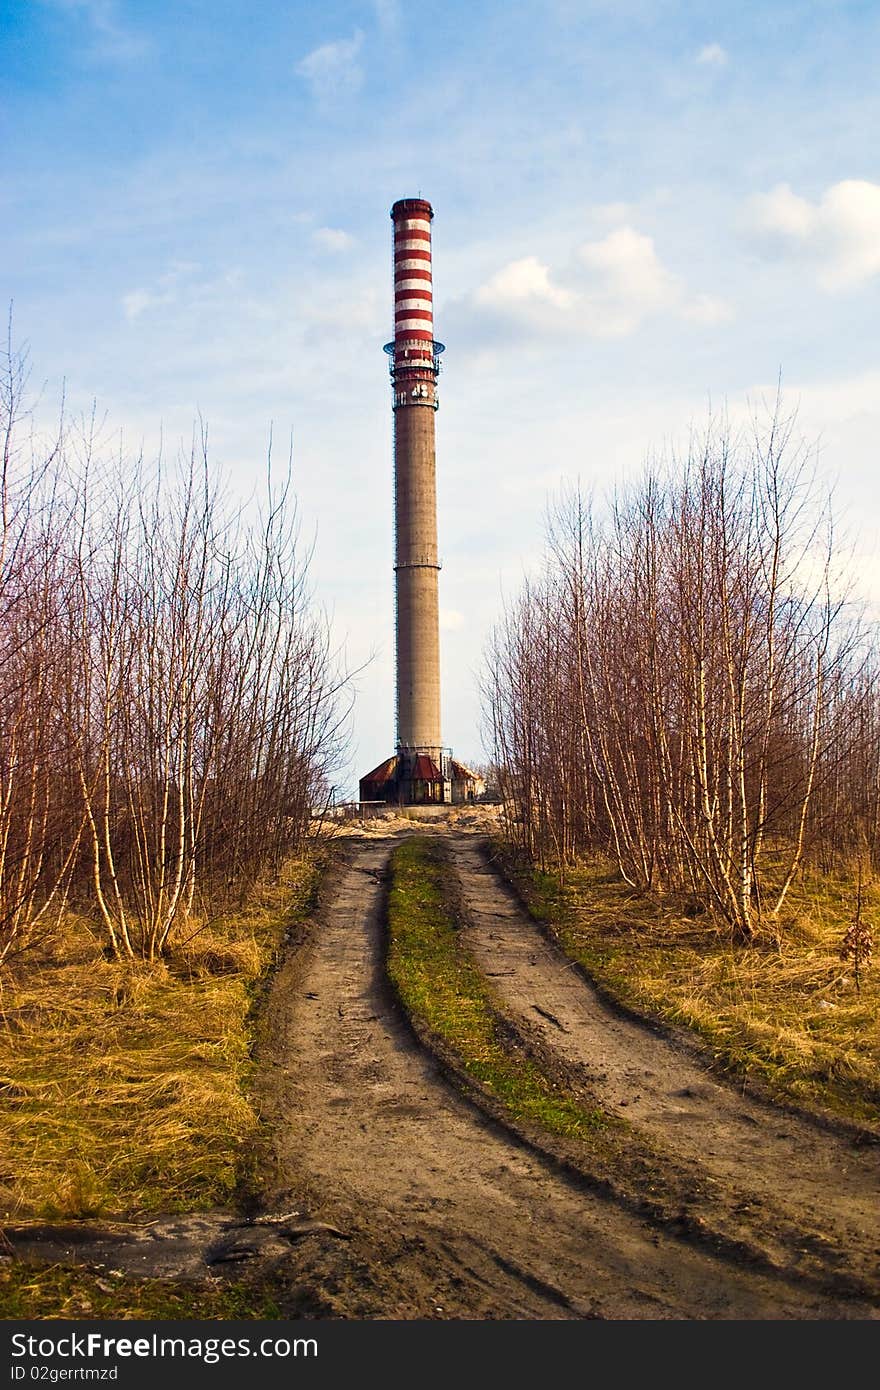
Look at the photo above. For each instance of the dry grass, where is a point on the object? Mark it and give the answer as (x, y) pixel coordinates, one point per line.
(785, 1011)
(125, 1088)
(29, 1290)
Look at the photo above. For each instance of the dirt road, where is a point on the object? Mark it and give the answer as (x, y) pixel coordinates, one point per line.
(796, 1188)
(394, 1197)
(446, 1216)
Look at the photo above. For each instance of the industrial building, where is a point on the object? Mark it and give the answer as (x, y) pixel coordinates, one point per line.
(421, 771)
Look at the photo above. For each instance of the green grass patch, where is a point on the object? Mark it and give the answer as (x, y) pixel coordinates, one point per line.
(124, 1089)
(56, 1291)
(441, 987)
(784, 1011)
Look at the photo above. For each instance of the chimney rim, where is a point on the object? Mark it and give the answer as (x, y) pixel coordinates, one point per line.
(411, 206)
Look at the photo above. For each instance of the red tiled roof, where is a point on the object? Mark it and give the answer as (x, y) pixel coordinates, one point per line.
(383, 773)
(426, 770)
(462, 773)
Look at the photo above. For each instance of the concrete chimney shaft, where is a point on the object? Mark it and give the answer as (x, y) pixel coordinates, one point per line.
(414, 370)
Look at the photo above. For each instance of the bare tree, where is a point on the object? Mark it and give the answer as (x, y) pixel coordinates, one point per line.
(171, 705)
(683, 685)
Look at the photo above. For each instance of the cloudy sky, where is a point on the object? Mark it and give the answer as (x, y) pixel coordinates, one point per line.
(642, 207)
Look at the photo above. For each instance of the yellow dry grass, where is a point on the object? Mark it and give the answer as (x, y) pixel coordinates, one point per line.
(124, 1088)
(785, 1010)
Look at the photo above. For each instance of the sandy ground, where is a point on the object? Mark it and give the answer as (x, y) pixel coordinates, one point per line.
(447, 1216)
(476, 818)
(796, 1188)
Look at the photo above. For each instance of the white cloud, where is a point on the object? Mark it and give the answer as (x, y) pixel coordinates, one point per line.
(451, 620)
(387, 14)
(830, 400)
(610, 213)
(338, 314)
(333, 71)
(712, 55)
(111, 39)
(625, 279)
(332, 239)
(607, 289)
(166, 289)
(840, 233)
(707, 309)
(135, 302)
(781, 213)
(523, 282)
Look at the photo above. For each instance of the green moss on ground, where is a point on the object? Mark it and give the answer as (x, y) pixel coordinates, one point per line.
(441, 987)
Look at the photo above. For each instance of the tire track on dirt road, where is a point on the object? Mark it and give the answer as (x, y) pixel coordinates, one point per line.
(805, 1192)
(448, 1216)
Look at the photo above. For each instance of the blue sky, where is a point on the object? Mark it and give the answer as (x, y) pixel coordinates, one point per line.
(640, 207)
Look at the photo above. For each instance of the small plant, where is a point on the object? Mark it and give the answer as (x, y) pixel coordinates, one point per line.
(858, 939)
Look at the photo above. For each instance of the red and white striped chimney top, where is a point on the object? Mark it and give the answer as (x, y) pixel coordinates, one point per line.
(413, 297)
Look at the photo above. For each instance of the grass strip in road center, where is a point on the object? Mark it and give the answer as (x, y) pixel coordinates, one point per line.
(444, 993)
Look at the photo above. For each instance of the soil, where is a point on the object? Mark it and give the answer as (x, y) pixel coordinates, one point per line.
(801, 1193)
(447, 1215)
(391, 1195)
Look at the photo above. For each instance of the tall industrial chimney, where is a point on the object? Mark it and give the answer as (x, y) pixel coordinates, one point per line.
(421, 770)
(414, 369)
